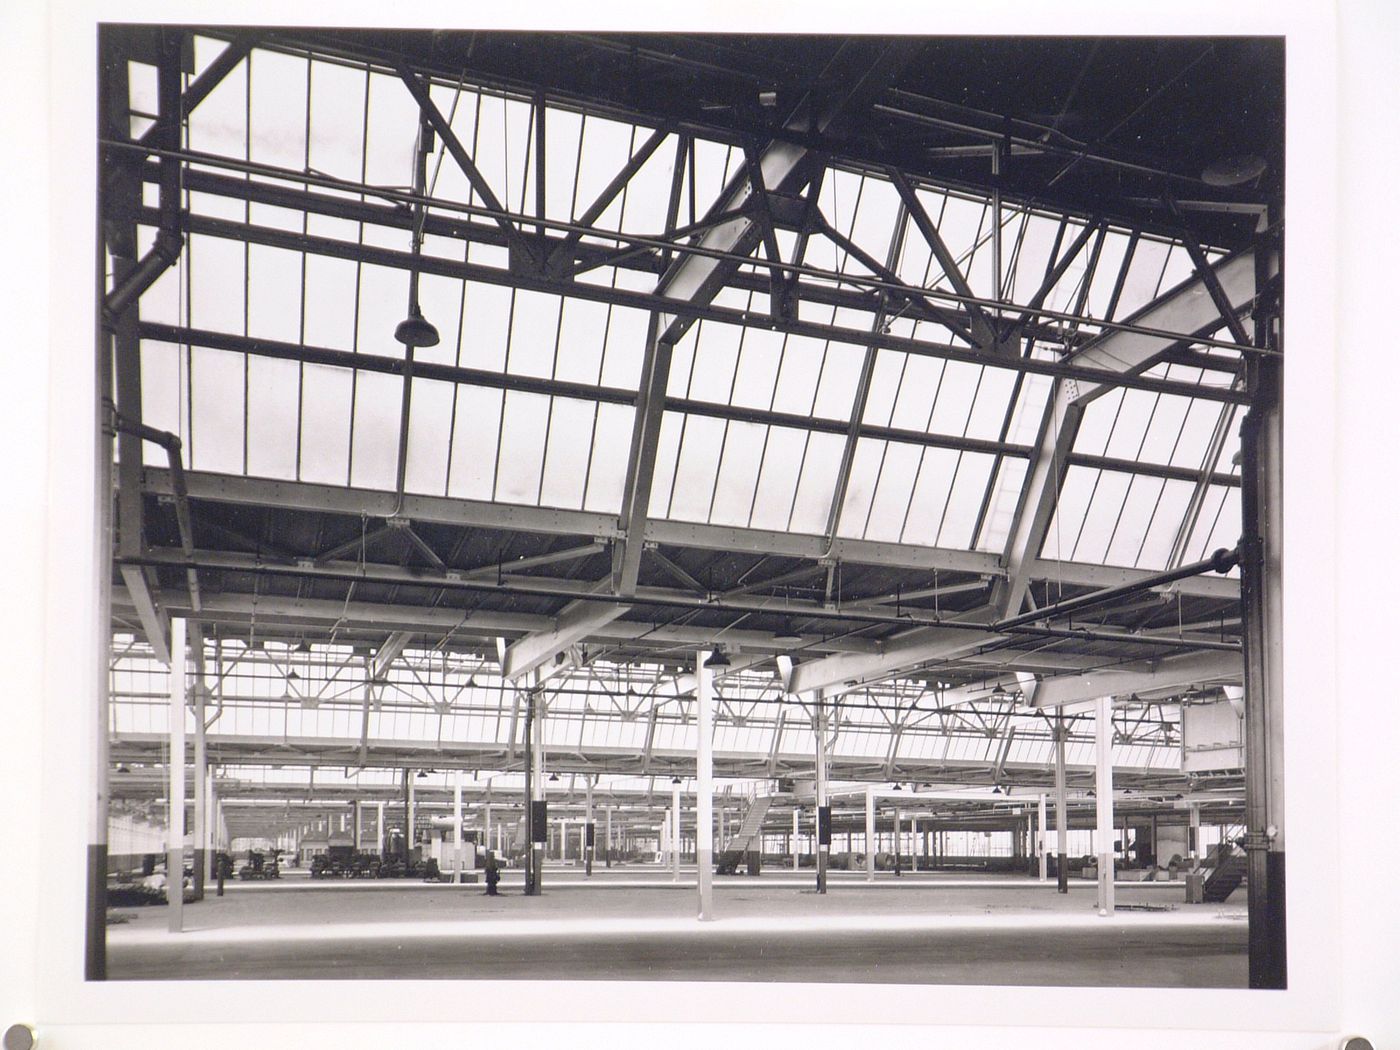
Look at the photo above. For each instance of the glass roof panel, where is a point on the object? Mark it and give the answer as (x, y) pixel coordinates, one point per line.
(325, 424)
(777, 479)
(274, 404)
(486, 326)
(567, 453)
(583, 327)
(1070, 508)
(899, 466)
(799, 374)
(692, 491)
(1101, 519)
(162, 396)
(374, 437)
(756, 376)
(520, 459)
(816, 484)
(989, 407)
(1001, 509)
(965, 500)
(860, 488)
(738, 473)
(216, 275)
(937, 467)
(217, 384)
(429, 437)
(607, 469)
(1166, 522)
(475, 438)
(1144, 276)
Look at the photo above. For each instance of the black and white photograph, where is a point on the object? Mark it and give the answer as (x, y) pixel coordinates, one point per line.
(717, 513)
(692, 507)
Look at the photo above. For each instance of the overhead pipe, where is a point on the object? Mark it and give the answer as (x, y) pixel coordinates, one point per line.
(1221, 561)
(169, 240)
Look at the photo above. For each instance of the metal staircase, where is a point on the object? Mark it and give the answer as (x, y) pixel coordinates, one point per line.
(748, 837)
(1225, 879)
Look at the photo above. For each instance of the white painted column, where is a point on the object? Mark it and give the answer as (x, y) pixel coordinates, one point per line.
(379, 826)
(675, 832)
(457, 828)
(796, 833)
(585, 850)
(607, 838)
(1040, 839)
(704, 787)
(201, 793)
(823, 852)
(1103, 792)
(175, 823)
(870, 834)
(1194, 835)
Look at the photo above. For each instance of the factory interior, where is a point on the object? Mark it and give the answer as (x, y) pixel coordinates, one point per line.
(689, 508)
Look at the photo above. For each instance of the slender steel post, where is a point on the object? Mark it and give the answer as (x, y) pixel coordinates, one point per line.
(823, 837)
(869, 834)
(795, 842)
(457, 828)
(201, 795)
(675, 831)
(1103, 788)
(704, 786)
(1061, 809)
(1261, 603)
(1040, 837)
(535, 732)
(175, 810)
(607, 837)
(589, 835)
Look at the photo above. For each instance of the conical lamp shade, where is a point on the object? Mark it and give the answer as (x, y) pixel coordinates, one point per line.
(413, 330)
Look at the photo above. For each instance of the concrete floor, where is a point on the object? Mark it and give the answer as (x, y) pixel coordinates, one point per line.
(634, 924)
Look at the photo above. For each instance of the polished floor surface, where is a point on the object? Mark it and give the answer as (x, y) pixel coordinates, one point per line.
(637, 924)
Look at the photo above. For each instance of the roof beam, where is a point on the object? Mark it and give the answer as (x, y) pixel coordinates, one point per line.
(1178, 672)
(579, 620)
(153, 622)
(697, 279)
(1188, 308)
(334, 499)
(984, 332)
(902, 653)
(388, 653)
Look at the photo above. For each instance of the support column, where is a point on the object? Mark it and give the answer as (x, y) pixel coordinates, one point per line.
(607, 838)
(175, 810)
(379, 827)
(1040, 838)
(1103, 790)
(1061, 809)
(537, 818)
(1261, 606)
(675, 830)
(1193, 836)
(457, 827)
(407, 815)
(359, 836)
(897, 850)
(201, 790)
(704, 787)
(869, 834)
(823, 804)
(795, 843)
(588, 831)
